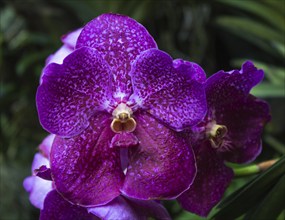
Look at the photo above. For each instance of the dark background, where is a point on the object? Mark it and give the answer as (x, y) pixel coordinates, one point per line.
(216, 34)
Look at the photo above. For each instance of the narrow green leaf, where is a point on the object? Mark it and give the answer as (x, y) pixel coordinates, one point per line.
(265, 90)
(246, 26)
(260, 9)
(251, 194)
(272, 205)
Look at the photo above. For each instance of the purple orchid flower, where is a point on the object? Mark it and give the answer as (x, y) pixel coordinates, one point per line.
(231, 131)
(117, 91)
(54, 206)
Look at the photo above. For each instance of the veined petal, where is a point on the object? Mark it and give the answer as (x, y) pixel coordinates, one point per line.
(168, 91)
(244, 120)
(212, 179)
(85, 169)
(162, 166)
(130, 209)
(57, 208)
(119, 39)
(222, 87)
(72, 92)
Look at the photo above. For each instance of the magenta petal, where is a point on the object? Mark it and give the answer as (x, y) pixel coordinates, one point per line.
(223, 87)
(193, 70)
(57, 208)
(162, 166)
(212, 179)
(245, 120)
(72, 92)
(85, 169)
(44, 173)
(119, 39)
(170, 94)
(130, 209)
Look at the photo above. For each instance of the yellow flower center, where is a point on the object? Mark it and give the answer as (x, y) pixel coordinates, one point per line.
(216, 133)
(122, 119)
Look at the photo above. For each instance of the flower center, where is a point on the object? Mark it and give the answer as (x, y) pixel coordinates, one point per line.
(216, 135)
(122, 119)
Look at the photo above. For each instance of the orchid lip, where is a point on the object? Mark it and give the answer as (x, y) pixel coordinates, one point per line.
(122, 119)
(216, 134)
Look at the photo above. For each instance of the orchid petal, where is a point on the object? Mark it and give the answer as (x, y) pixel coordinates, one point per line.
(37, 187)
(118, 39)
(85, 169)
(70, 39)
(223, 87)
(56, 207)
(170, 94)
(244, 120)
(127, 209)
(72, 92)
(162, 166)
(212, 179)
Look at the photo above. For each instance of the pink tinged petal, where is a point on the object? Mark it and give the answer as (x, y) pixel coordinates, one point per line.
(169, 93)
(70, 39)
(39, 160)
(127, 209)
(162, 166)
(124, 139)
(59, 55)
(119, 39)
(72, 92)
(245, 120)
(38, 188)
(45, 146)
(212, 179)
(85, 169)
(57, 208)
(223, 87)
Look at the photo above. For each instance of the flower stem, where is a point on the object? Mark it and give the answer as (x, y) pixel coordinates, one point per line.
(254, 168)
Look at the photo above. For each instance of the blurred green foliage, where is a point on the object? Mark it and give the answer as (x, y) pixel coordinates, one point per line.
(218, 34)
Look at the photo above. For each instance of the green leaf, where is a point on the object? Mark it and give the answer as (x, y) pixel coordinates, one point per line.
(246, 26)
(251, 194)
(272, 205)
(265, 90)
(260, 9)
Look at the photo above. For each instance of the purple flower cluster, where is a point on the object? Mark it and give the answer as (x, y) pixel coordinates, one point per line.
(131, 126)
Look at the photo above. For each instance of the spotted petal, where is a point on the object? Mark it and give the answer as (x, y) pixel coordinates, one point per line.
(56, 207)
(167, 90)
(162, 166)
(128, 209)
(209, 185)
(72, 92)
(85, 169)
(119, 39)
